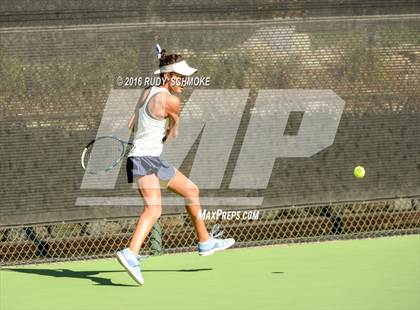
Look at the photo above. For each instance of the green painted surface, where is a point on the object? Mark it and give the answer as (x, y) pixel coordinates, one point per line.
(358, 274)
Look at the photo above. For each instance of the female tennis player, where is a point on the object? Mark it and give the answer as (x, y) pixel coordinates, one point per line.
(155, 120)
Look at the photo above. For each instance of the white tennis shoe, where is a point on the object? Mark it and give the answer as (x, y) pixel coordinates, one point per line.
(214, 244)
(131, 262)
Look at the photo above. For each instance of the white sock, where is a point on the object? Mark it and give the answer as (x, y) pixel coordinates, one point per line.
(131, 251)
(205, 242)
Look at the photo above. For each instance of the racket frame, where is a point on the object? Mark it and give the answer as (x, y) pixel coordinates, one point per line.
(115, 162)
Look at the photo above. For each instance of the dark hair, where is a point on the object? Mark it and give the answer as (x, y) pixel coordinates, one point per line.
(167, 59)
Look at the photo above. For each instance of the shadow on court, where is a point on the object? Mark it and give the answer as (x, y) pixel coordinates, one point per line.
(177, 270)
(278, 272)
(67, 273)
(90, 275)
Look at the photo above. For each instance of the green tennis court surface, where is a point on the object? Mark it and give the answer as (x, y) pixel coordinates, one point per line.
(375, 274)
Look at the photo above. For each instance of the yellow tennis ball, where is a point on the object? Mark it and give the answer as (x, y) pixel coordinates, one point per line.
(359, 172)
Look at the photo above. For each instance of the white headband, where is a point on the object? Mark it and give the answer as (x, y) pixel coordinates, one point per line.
(179, 67)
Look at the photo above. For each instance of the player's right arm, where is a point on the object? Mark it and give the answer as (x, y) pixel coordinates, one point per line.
(132, 122)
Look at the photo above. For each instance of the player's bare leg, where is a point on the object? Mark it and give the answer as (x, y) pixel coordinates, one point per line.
(149, 189)
(184, 187)
(208, 244)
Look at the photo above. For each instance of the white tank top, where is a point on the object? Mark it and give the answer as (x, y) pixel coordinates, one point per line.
(150, 131)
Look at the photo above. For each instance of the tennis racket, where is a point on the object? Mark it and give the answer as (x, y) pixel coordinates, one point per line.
(106, 153)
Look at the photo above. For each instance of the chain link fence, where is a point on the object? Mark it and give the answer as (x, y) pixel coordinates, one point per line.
(102, 238)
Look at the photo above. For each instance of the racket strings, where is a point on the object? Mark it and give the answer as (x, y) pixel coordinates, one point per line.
(103, 154)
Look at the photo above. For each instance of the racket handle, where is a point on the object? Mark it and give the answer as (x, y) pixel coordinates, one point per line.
(164, 138)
